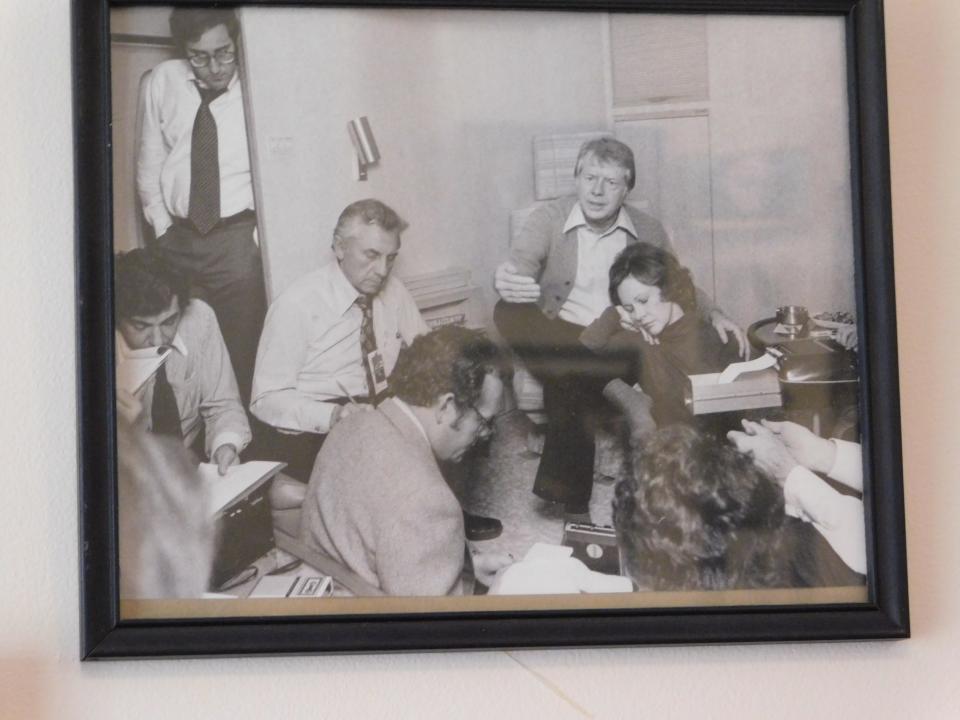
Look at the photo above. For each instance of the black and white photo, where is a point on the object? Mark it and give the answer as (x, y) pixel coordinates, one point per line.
(421, 312)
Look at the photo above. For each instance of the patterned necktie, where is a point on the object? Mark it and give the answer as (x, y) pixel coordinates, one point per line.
(164, 413)
(368, 342)
(204, 210)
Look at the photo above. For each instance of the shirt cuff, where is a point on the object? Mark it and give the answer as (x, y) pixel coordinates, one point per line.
(847, 464)
(159, 218)
(838, 518)
(291, 413)
(315, 417)
(798, 482)
(311, 416)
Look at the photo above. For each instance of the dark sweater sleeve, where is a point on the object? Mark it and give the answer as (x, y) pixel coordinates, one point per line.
(605, 335)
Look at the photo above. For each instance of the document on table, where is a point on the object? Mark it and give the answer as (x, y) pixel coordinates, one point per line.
(735, 370)
(240, 480)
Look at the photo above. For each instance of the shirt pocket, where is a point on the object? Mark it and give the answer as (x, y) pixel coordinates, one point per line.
(390, 346)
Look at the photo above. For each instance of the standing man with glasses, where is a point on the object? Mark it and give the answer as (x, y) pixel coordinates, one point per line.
(194, 181)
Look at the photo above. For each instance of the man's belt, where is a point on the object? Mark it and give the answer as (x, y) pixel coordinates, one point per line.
(243, 216)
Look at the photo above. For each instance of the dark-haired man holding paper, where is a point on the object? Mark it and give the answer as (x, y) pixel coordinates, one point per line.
(193, 394)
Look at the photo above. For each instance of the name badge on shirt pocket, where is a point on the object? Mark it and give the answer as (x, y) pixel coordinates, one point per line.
(377, 371)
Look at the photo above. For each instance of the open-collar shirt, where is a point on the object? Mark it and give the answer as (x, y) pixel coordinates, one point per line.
(596, 252)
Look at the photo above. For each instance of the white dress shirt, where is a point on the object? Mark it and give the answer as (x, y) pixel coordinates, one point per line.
(837, 517)
(199, 372)
(590, 294)
(170, 104)
(310, 346)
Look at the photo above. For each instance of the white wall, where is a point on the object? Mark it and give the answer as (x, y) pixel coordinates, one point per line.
(779, 153)
(454, 99)
(39, 673)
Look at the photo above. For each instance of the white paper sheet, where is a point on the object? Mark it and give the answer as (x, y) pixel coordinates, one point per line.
(138, 366)
(240, 479)
(735, 370)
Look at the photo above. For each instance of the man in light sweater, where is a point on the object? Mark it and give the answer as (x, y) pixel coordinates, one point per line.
(377, 501)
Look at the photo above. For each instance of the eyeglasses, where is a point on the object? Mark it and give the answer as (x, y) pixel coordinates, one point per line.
(486, 424)
(223, 57)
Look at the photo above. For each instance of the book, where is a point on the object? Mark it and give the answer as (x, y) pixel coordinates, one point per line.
(239, 482)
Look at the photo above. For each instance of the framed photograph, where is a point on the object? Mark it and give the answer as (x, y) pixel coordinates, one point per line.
(497, 324)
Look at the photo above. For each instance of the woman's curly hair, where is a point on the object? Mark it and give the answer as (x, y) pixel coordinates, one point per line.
(698, 515)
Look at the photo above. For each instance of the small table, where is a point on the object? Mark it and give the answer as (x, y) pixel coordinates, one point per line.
(827, 406)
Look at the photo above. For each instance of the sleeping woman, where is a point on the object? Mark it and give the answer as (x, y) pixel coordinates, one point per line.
(653, 294)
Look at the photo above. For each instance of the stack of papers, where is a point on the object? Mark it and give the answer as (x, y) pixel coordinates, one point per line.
(241, 480)
(550, 570)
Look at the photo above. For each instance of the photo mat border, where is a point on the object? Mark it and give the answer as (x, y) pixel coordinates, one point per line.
(885, 615)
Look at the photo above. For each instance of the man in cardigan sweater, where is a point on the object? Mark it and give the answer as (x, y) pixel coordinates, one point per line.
(377, 501)
(555, 284)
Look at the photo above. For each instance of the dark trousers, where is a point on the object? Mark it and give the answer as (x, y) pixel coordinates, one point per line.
(297, 450)
(573, 378)
(226, 272)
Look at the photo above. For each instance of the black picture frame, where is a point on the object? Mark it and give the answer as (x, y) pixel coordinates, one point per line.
(105, 635)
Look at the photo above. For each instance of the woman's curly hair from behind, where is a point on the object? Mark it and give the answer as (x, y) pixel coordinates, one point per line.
(697, 515)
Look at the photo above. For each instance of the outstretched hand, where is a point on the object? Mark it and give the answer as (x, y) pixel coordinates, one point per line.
(766, 448)
(514, 287)
(810, 450)
(723, 325)
(847, 336)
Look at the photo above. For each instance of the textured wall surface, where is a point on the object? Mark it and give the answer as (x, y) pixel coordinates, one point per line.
(40, 676)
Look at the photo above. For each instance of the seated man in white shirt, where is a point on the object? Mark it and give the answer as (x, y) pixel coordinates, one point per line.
(330, 343)
(313, 356)
(193, 396)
